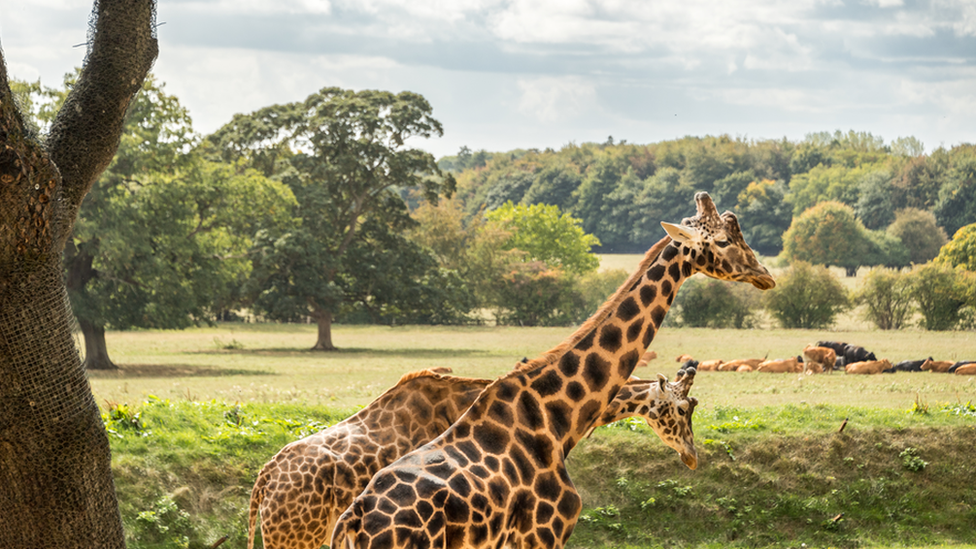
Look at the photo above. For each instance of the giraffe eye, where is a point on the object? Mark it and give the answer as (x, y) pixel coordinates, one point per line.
(722, 243)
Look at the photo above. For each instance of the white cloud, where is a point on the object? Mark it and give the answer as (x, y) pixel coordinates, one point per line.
(551, 99)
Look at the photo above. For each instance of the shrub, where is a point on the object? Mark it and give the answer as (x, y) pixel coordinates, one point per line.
(531, 294)
(709, 303)
(806, 297)
(961, 250)
(918, 231)
(886, 295)
(941, 292)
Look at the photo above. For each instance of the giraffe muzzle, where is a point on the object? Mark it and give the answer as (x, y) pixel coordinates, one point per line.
(690, 459)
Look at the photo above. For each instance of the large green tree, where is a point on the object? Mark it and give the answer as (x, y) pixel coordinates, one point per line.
(55, 464)
(345, 156)
(161, 240)
(918, 231)
(828, 234)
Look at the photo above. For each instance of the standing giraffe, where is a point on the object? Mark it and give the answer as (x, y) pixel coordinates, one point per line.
(300, 512)
(303, 489)
(497, 477)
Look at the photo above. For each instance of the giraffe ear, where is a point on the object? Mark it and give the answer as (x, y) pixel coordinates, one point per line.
(662, 382)
(680, 233)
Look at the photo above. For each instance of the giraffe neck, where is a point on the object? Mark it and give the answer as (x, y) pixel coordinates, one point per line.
(576, 387)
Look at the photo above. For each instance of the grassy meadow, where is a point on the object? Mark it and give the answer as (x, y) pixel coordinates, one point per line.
(193, 415)
(203, 409)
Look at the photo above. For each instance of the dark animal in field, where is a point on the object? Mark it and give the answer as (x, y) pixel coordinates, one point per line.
(840, 363)
(954, 367)
(909, 365)
(838, 346)
(856, 353)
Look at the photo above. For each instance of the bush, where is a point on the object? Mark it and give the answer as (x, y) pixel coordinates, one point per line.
(709, 303)
(918, 231)
(961, 250)
(806, 297)
(531, 294)
(941, 293)
(886, 294)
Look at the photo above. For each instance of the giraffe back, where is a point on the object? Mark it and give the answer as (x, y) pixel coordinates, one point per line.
(302, 490)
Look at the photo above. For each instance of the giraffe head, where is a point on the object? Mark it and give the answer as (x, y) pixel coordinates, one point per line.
(670, 415)
(716, 247)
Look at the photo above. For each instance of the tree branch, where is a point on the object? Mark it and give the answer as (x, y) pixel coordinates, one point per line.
(85, 134)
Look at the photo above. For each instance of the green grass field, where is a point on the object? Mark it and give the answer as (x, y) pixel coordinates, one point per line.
(213, 404)
(272, 363)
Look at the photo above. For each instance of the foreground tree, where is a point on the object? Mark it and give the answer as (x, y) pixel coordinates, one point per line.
(351, 166)
(886, 297)
(55, 464)
(918, 231)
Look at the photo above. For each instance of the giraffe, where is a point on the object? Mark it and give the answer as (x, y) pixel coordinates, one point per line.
(302, 490)
(497, 476)
(299, 515)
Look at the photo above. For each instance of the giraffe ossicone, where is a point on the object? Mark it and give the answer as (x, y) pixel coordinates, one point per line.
(497, 476)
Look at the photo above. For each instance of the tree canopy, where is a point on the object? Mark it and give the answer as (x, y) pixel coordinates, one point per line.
(345, 157)
(827, 234)
(545, 234)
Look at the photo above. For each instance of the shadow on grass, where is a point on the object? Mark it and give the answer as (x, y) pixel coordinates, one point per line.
(350, 351)
(172, 370)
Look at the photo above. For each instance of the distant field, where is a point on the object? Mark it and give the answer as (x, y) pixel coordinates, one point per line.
(272, 363)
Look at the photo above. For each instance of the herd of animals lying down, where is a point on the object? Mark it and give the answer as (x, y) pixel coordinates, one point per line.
(827, 356)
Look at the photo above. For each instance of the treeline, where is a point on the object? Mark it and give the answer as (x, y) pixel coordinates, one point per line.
(319, 210)
(621, 191)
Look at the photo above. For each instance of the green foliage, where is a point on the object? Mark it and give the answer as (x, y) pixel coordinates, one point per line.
(918, 231)
(886, 249)
(836, 183)
(827, 234)
(162, 239)
(941, 292)
(343, 155)
(710, 303)
(545, 234)
(911, 461)
(956, 204)
(764, 215)
(874, 204)
(531, 294)
(806, 296)
(886, 297)
(164, 525)
(961, 250)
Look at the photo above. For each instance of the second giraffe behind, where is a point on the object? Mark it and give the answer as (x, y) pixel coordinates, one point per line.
(497, 477)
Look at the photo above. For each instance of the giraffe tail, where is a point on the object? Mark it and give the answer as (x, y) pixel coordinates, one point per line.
(257, 496)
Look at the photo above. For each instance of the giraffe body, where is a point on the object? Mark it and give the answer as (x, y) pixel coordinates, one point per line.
(302, 490)
(497, 476)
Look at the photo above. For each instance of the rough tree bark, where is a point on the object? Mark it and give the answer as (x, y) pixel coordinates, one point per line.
(55, 464)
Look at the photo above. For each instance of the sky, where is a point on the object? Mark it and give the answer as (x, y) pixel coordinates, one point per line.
(508, 74)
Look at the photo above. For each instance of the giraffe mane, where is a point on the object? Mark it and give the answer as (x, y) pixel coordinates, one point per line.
(552, 355)
(409, 376)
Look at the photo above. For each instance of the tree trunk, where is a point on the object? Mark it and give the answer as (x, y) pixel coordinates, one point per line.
(55, 463)
(324, 320)
(56, 486)
(96, 352)
(851, 271)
